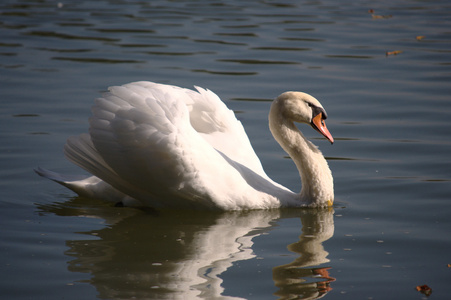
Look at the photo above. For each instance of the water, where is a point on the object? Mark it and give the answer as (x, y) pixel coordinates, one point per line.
(390, 116)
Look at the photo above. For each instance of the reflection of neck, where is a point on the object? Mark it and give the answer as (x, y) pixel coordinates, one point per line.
(317, 227)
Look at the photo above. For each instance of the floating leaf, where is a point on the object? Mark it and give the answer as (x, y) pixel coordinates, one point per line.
(424, 289)
(381, 17)
(420, 37)
(393, 52)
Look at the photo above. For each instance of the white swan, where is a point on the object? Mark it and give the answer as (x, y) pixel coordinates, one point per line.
(159, 145)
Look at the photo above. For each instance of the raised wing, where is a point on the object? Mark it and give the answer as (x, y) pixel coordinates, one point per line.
(157, 141)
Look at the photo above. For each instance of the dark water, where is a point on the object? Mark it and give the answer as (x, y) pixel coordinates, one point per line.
(390, 115)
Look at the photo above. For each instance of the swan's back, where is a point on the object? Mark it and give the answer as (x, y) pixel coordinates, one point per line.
(167, 146)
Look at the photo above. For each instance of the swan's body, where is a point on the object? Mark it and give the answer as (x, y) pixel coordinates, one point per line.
(158, 145)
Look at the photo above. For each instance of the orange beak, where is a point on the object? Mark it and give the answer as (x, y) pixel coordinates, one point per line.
(319, 125)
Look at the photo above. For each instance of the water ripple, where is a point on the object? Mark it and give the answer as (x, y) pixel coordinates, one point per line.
(69, 36)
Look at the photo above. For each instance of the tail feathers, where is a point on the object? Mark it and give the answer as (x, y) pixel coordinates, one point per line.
(61, 179)
(82, 185)
(89, 187)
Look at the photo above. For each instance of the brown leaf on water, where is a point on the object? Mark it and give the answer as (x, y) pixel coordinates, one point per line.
(381, 17)
(420, 37)
(424, 289)
(374, 16)
(449, 265)
(393, 52)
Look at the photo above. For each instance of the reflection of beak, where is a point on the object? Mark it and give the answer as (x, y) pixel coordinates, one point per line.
(319, 125)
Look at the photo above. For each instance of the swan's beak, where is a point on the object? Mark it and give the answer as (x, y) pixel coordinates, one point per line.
(319, 125)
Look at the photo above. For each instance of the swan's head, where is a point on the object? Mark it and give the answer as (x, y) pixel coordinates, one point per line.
(303, 108)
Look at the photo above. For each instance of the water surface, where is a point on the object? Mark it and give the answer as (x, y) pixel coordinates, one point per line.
(389, 114)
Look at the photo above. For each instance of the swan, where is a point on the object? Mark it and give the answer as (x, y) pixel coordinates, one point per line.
(163, 146)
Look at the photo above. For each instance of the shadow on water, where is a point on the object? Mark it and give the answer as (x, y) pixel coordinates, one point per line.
(185, 254)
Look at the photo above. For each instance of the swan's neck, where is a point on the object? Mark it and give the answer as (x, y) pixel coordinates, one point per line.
(316, 177)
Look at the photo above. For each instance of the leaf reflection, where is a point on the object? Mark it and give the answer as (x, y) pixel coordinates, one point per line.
(184, 254)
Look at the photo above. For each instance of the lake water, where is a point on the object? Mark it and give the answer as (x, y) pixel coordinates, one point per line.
(389, 230)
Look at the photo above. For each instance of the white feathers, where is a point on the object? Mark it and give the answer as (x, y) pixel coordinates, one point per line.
(166, 146)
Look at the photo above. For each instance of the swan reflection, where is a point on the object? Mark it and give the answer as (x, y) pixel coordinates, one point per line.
(296, 278)
(185, 254)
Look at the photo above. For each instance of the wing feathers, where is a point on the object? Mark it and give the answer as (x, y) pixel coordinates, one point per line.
(154, 141)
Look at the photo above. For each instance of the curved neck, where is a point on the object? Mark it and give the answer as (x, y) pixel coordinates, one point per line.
(316, 177)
